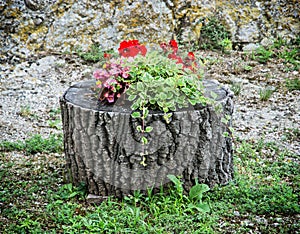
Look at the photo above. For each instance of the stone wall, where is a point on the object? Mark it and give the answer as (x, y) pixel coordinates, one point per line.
(55, 25)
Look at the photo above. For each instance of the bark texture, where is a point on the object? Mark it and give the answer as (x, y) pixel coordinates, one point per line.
(103, 149)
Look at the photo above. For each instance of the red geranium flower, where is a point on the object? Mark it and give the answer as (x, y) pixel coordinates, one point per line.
(191, 56)
(131, 48)
(107, 56)
(173, 45)
(175, 57)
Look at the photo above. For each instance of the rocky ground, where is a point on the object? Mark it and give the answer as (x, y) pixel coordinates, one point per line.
(30, 91)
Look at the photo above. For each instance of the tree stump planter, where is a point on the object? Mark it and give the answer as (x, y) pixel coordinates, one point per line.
(103, 150)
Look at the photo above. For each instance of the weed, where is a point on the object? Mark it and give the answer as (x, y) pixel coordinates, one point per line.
(25, 111)
(289, 52)
(236, 88)
(213, 35)
(262, 55)
(266, 93)
(292, 84)
(35, 144)
(226, 45)
(94, 54)
(247, 68)
(292, 134)
(55, 124)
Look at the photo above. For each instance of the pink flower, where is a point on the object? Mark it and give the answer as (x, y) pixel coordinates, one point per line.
(110, 97)
(101, 74)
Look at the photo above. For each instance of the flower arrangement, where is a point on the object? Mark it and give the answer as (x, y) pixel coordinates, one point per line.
(156, 80)
(118, 74)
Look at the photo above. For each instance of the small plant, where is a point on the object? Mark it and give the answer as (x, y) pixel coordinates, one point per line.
(213, 35)
(35, 144)
(194, 199)
(55, 124)
(25, 111)
(226, 45)
(247, 68)
(266, 93)
(94, 54)
(262, 55)
(236, 88)
(292, 84)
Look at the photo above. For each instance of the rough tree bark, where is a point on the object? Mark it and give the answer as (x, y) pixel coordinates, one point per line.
(103, 149)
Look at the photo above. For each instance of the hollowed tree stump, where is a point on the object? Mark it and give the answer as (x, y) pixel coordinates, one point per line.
(103, 149)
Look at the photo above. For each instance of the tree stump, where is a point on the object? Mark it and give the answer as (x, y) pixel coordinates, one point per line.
(103, 149)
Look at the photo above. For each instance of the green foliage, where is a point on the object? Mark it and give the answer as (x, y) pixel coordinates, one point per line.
(158, 83)
(226, 45)
(288, 52)
(236, 88)
(34, 199)
(35, 144)
(265, 93)
(262, 54)
(292, 84)
(94, 54)
(214, 35)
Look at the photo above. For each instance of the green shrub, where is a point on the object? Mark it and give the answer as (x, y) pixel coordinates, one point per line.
(214, 35)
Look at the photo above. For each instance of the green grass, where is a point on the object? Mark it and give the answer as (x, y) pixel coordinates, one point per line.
(263, 198)
(35, 144)
(292, 84)
(288, 52)
(265, 93)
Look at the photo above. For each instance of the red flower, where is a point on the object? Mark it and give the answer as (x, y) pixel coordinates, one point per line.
(107, 56)
(175, 57)
(173, 45)
(191, 56)
(131, 48)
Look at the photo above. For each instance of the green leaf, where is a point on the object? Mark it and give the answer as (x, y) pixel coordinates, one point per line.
(203, 207)
(186, 90)
(131, 97)
(197, 190)
(174, 179)
(144, 140)
(181, 82)
(224, 121)
(136, 114)
(146, 113)
(193, 102)
(148, 129)
(152, 101)
(163, 96)
(140, 86)
(135, 106)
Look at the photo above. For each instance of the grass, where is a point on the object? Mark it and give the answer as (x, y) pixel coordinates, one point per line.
(35, 144)
(288, 52)
(236, 88)
(265, 93)
(263, 198)
(292, 84)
